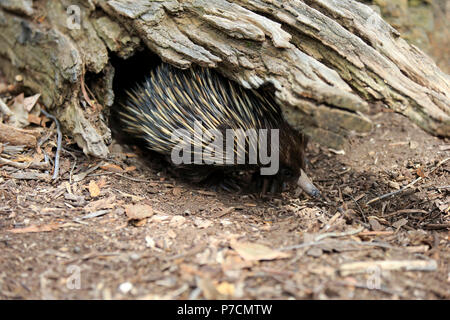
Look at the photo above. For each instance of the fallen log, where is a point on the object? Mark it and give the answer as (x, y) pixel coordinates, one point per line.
(328, 62)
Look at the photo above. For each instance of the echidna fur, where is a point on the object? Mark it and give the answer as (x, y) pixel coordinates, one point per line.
(172, 99)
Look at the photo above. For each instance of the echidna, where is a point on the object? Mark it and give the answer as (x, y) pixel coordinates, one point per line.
(199, 100)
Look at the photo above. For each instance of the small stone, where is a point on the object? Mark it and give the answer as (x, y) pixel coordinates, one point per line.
(177, 221)
(314, 252)
(202, 224)
(347, 190)
(171, 234)
(134, 256)
(413, 145)
(149, 242)
(225, 222)
(125, 287)
(376, 226)
(394, 185)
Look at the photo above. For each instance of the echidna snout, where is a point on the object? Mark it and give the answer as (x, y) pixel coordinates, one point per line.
(305, 183)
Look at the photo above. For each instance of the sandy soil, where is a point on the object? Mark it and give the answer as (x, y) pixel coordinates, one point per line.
(74, 238)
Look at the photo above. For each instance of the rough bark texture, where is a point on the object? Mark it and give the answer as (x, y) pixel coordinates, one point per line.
(424, 23)
(328, 60)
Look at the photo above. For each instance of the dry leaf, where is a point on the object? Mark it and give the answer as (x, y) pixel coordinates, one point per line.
(226, 289)
(94, 189)
(420, 172)
(130, 155)
(235, 262)
(29, 102)
(105, 203)
(400, 223)
(138, 223)
(101, 182)
(19, 119)
(255, 252)
(138, 211)
(176, 191)
(133, 197)
(112, 168)
(129, 169)
(209, 290)
(376, 226)
(32, 118)
(171, 234)
(23, 158)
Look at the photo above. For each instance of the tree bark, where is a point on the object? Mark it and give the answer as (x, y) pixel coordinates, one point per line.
(330, 61)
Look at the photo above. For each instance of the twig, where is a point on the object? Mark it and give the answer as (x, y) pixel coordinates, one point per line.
(318, 239)
(436, 226)
(94, 214)
(93, 255)
(195, 250)
(376, 233)
(30, 176)
(11, 150)
(83, 91)
(359, 207)
(16, 136)
(404, 211)
(24, 165)
(59, 143)
(80, 176)
(46, 137)
(224, 212)
(344, 243)
(406, 265)
(131, 178)
(407, 186)
(73, 166)
(338, 234)
(331, 221)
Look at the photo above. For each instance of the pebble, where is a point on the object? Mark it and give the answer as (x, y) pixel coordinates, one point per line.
(135, 256)
(125, 287)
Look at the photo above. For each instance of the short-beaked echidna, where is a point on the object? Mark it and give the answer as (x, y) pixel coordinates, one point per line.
(173, 100)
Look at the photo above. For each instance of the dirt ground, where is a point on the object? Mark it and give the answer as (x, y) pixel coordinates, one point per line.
(125, 228)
